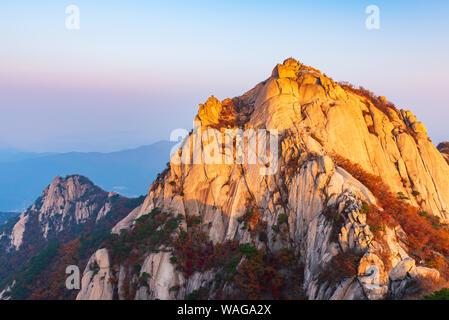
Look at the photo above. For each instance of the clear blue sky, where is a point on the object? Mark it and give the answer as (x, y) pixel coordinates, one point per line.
(138, 69)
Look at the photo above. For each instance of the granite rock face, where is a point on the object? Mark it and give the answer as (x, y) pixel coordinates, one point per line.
(64, 203)
(97, 277)
(313, 118)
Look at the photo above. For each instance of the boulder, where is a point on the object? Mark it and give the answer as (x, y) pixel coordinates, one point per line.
(289, 69)
(423, 272)
(214, 113)
(402, 269)
(419, 127)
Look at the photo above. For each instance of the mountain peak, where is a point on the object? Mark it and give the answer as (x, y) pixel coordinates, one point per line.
(288, 69)
(66, 202)
(71, 188)
(355, 179)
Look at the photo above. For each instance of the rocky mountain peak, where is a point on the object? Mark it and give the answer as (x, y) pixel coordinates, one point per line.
(66, 202)
(358, 201)
(73, 199)
(65, 224)
(69, 189)
(288, 69)
(327, 116)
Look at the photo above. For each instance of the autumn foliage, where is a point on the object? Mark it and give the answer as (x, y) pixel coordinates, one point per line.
(427, 239)
(343, 265)
(385, 106)
(259, 276)
(193, 251)
(43, 275)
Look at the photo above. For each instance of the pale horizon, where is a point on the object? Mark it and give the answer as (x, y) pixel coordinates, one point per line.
(136, 70)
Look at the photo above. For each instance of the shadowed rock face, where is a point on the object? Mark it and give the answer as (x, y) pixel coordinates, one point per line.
(66, 202)
(315, 118)
(68, 208)
(4, 216)
(443, 147)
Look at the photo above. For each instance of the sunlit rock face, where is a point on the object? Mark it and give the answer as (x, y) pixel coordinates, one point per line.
(314, 118)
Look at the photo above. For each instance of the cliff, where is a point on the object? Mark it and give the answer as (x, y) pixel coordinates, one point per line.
(333, 210)
(43, 240)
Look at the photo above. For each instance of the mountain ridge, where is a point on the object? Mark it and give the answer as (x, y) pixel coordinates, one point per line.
(71, 208)
(342, 218)
(128, 171)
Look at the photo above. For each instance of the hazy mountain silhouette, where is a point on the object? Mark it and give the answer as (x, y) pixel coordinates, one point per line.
(4, 216)
(10, 154)
(129, 172)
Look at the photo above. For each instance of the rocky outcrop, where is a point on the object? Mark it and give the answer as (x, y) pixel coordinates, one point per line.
(4, 294)
(66, 202)
(405, 278)
(216, 113)
(318, 202)
(443, 147)
(97, 283)
(71, 200)
(69, 209)
(16, 235)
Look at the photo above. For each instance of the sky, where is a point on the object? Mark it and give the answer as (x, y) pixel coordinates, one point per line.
(136, 70)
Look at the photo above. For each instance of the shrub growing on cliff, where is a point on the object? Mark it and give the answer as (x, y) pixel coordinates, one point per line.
(151, 231)
(282, 218)
(379, 102)
(424, 233)
(342, 266)
(248, 250)
(268, 275)
(144, 278)
(443, 294)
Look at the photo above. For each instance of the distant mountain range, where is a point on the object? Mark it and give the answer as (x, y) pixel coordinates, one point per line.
(23, 175)
(12, 155)
(4, 216)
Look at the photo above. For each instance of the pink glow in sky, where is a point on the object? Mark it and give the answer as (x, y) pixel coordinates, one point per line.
(137, 70)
